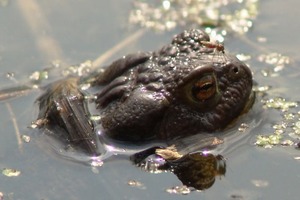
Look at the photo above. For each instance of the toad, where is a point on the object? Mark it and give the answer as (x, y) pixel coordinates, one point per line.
(185, 88)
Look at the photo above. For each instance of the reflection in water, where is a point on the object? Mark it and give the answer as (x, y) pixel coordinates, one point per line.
(197, 169)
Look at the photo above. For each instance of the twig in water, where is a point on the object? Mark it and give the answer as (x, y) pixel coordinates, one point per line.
(38, 24)
(15, 124)
(103, 57)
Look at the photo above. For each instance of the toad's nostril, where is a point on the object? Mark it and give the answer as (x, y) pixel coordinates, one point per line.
(235, 70)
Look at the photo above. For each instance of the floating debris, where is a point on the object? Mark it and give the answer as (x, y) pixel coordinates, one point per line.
(269, 72)
(296, 128)
(287, 131)
(56, 63)
(287, 143)
(78, 70)
(262, 39)
(179, 190)
(136, 184)
(260, 183)
(235, 15)
(243, 127)
(25, 138)
(38, 76)
(280, 126)
(10, 172)
(279, 103)
(277, 60)
(261, 89)
(268, 141)
(10, 75)
(289, 116)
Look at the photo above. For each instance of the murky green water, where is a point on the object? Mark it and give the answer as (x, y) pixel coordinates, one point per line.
(84, 30)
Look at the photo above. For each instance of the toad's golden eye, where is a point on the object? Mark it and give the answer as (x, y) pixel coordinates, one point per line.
(204, 88)
(200, 89)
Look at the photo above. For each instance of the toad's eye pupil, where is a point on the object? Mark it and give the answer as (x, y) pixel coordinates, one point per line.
(204, 89)
(206, 86)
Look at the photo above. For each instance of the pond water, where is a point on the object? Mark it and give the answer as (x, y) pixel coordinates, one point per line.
(36, 33)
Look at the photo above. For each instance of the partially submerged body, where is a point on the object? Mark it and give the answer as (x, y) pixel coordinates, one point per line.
(180, 90)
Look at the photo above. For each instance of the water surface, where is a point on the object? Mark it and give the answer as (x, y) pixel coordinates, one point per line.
(82, 30)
